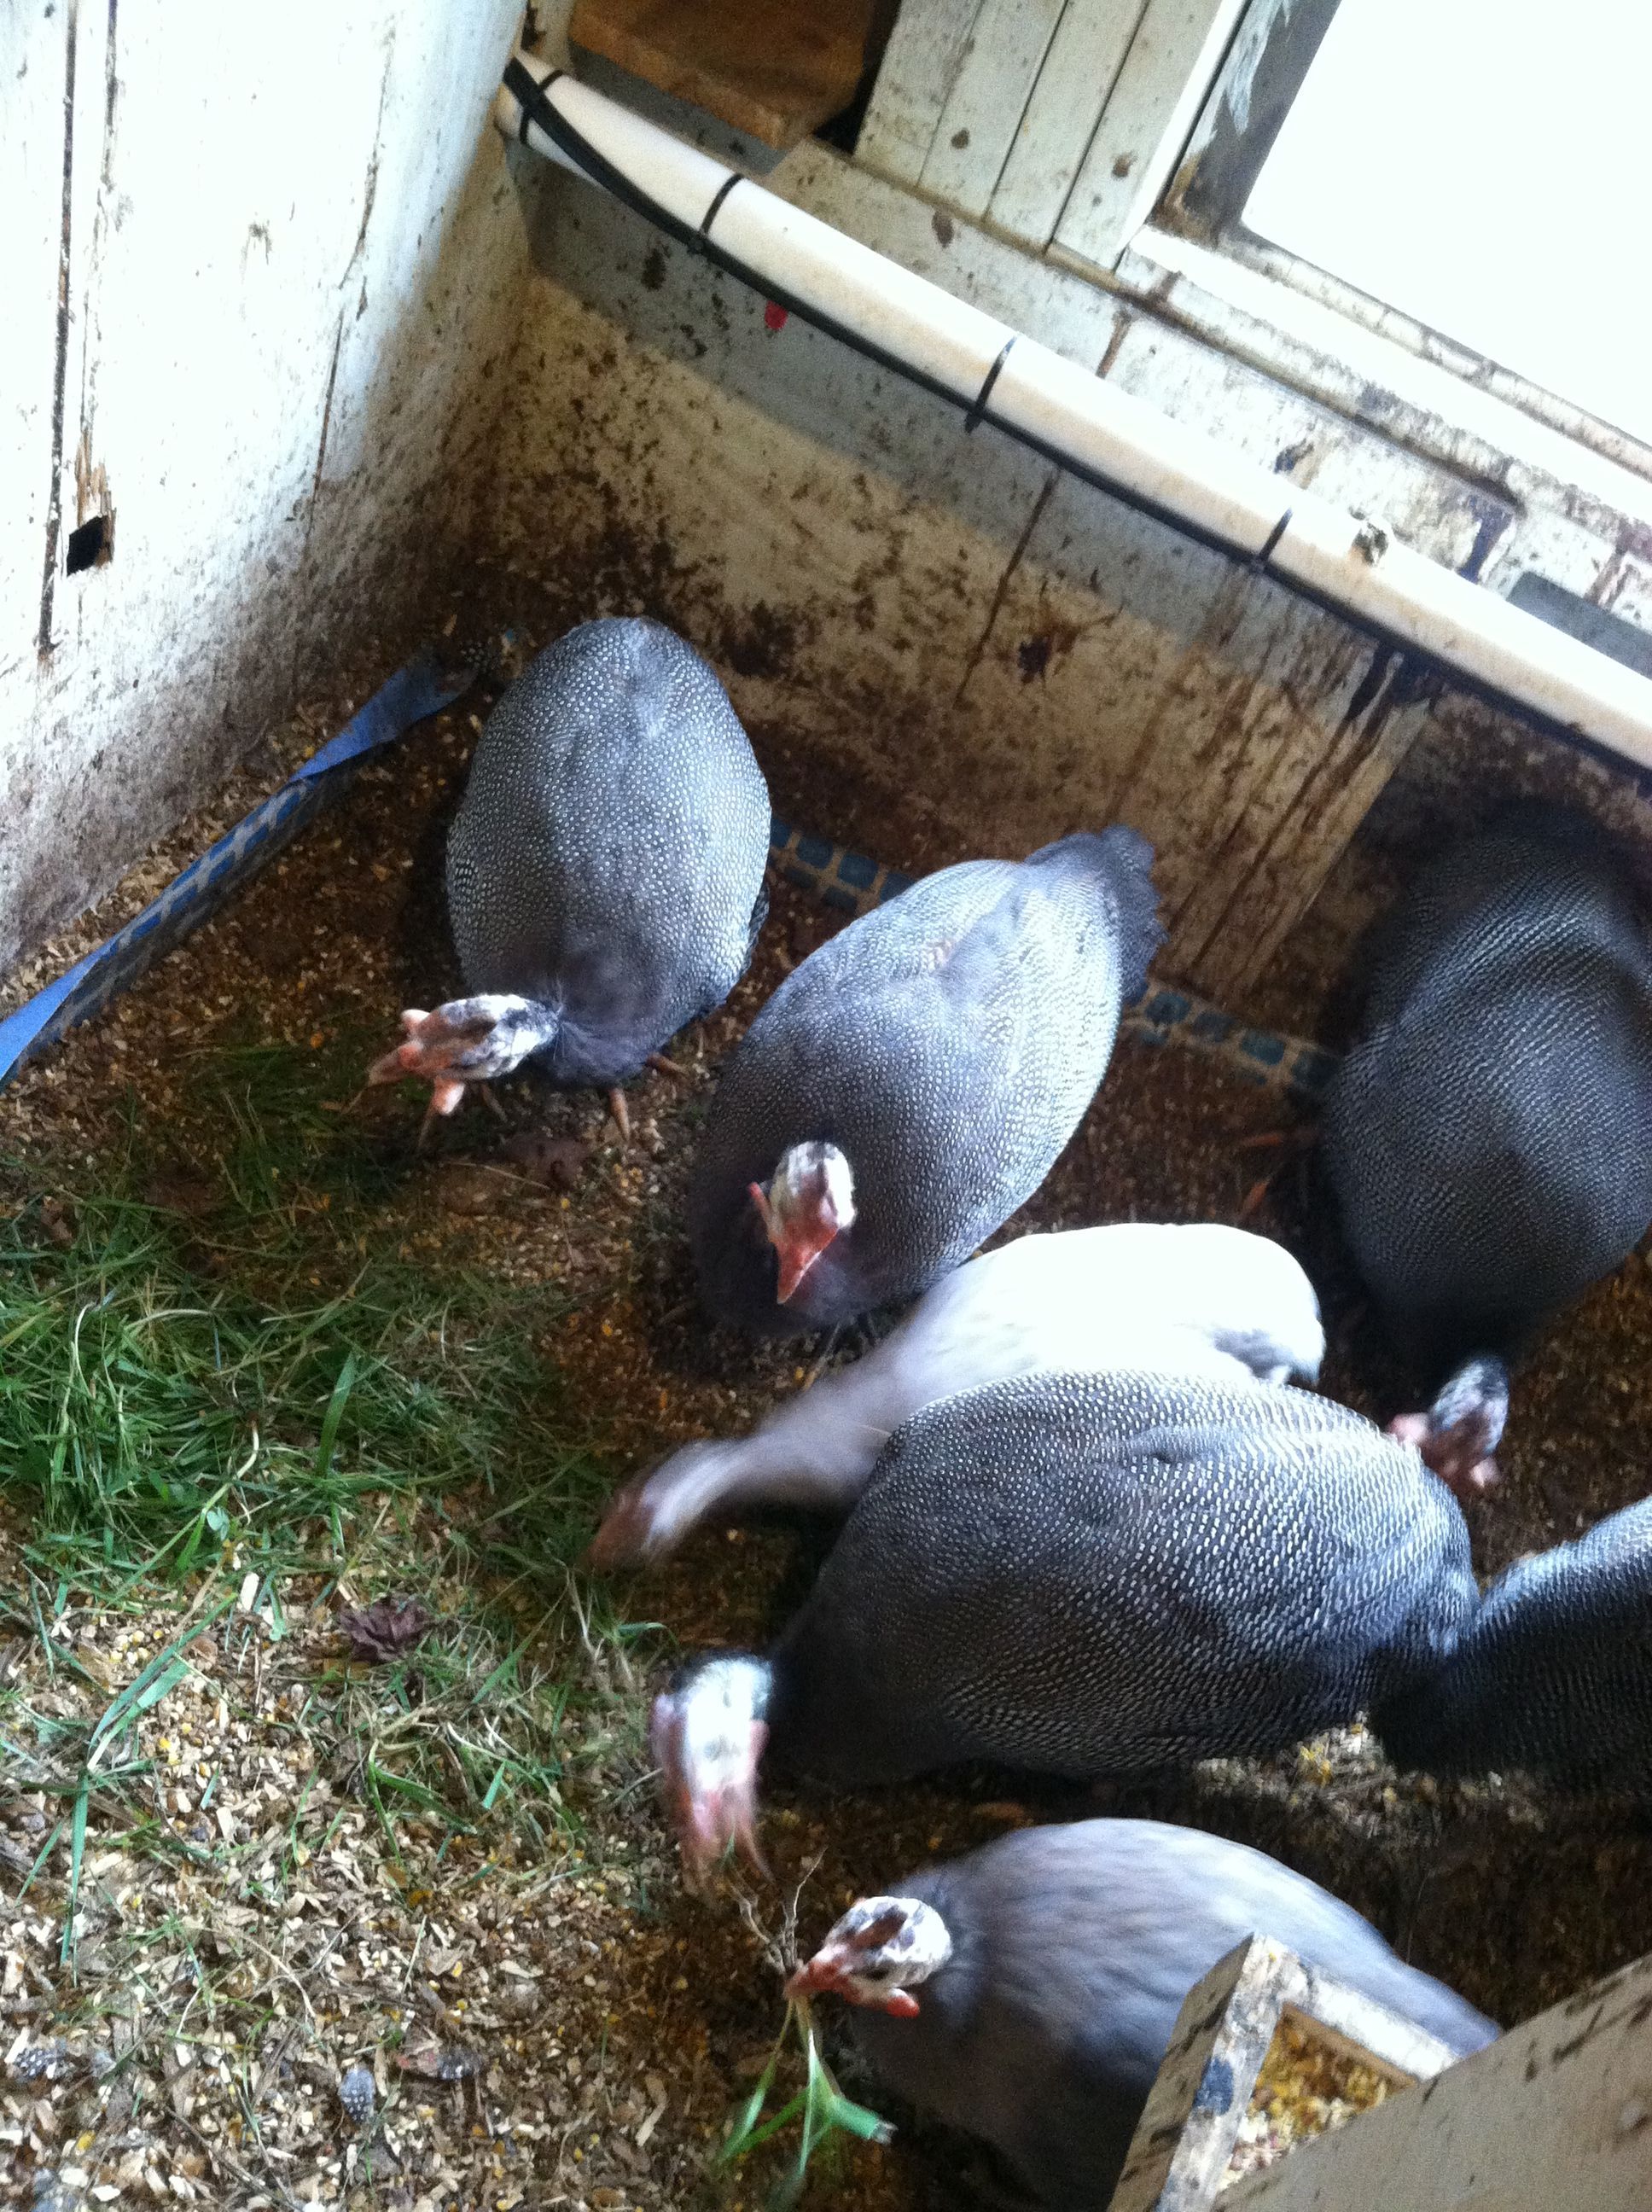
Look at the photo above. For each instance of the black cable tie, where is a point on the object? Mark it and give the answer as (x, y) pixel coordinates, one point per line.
(541, 88)
(1264, 553)
(972, 421)
(697, 243)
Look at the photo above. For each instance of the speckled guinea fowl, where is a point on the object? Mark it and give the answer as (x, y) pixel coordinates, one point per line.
(912, 1083)
(1088, 1575)
(1487, 1135)
(1553, 1676)
(605, 872)
(1049, 1969)
(1181, 1298)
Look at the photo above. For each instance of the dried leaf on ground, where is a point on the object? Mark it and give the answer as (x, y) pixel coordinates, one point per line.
(385, 1630)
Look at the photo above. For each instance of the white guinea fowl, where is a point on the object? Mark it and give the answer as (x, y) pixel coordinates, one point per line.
(1189, 1298)
(1027, 1993)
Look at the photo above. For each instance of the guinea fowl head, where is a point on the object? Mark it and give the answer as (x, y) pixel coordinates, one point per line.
(709, 1735)
(466, 1041)
(1462, 1428)
(810, 1199)
(875, 1952)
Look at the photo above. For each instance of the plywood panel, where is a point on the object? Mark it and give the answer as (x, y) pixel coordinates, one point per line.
(777, 69)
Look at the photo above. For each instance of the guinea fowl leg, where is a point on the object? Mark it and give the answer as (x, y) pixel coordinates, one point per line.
(621, 1113)
(1281, 1140)
(668, 1066)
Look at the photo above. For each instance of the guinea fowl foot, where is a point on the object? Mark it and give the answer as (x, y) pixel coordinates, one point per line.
(621, 1114)
(658, 1060)
(1286, 1141)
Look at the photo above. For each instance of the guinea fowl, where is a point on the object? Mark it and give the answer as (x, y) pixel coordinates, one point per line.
(1050, 1967)
(1485, 1136)
(1088, 1575)
(1194, 1298)
(605, 872)
(911, 1084)
(1553, 1676)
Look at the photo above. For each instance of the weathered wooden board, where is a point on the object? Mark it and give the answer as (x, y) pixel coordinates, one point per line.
(1191, 2121)
(1554, 2117)
(276, 350)
(1153, 106)
(926, 49)
(1054, 132)
(995, 80)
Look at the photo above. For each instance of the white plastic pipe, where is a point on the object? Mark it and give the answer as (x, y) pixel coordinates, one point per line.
(1079, 419)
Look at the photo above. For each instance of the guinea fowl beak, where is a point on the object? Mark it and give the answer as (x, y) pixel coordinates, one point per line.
(798, 1244)
(829, 1973)
(713, 1814)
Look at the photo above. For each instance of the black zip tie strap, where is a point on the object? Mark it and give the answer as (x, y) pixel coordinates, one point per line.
(697, 243)
(977, 410)
(541, 86)
(1265, 552)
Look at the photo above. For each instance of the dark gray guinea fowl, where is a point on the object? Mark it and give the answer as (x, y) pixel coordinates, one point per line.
(1088, 1575)
(605, 871)
(1486, 1136)
(912, 1083)
(1028, 1993)
(1553, 1676)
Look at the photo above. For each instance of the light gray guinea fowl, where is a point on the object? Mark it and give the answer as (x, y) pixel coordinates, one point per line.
(1184, 1298)
(912, 1083)
(1553, 1676)
(1088, 1575)
(1027, 1994)
(1486, 1136)
(605, 871)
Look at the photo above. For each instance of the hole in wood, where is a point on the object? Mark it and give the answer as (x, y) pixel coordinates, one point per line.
(92, 545)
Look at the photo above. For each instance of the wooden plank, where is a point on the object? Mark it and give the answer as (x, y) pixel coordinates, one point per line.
(1555, 2114)
(1053, 135)
(776, 69)
(1190, 2122)
(925, 50)
(1161, 88)
(989, 96)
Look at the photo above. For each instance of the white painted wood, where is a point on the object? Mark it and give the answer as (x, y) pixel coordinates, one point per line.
(1053, 305)
(1554, 2117)
(1006, 54)
(1162, 87)
(1184, 2139)
(1054, 132)
(289, 302)
(927, 49)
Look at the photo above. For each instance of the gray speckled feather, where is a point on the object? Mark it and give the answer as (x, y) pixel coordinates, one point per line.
(1092, 1574)
(1487, 1135)
(1072, 1950)
(1553, 1676)
(608, 859)
(948, 1043)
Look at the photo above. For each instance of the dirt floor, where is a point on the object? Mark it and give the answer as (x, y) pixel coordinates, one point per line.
(266, 1901)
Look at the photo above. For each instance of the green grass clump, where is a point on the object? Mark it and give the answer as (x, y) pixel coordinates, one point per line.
(217, 1360)
(249, 1372)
